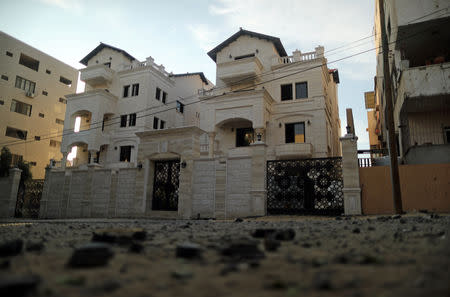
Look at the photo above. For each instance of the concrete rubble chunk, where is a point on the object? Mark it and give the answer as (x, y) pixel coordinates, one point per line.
(11, 247)
(18, 285)
(91, 255)
(242, 250)
(118, 235)
(188, 250)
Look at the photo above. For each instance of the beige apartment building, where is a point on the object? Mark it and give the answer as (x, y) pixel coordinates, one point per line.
(33, 86)
(419, 60)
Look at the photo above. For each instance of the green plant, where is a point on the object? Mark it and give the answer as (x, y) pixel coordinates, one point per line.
(5, 161)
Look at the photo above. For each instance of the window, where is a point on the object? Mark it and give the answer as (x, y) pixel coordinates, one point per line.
(16, 159)
(164, 97)
(54, 143)
(37, 138)
(125, 153)
(162, 125)
(295, 132)
(9, 54)
(244, 136)
(29, 62)
(2, 102)
(41, 115)
(59, 121)
(155, 123)
(132, 120)
(20, 107)
(63, 100)
(25, 84)
(48, 71)
(123, 120)
(107, 64)
(45, 93)
(16, 133)
(135, 90)
(180, 107)
(286, 92)
(301, 90)
(4, 77)
(126, 90)
(32, 163)
(158, 93)
(65, 81)
(244, 56)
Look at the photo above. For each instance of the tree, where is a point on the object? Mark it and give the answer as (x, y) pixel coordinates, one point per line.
(5, 161)
(26, 172)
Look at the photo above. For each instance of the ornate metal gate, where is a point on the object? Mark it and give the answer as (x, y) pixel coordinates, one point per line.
(165, 186)
(29, 199)
(310, 186)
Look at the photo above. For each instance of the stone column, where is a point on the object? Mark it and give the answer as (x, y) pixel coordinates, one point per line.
(64, 160)
(350, 172)
(8, 195)
(260, 135)
(211, 137)
(258, 190)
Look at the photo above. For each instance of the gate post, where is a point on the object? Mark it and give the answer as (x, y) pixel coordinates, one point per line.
(258, 189)
(350, 172)
(8, 197)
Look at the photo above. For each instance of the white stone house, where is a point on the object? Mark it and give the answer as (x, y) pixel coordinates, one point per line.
(211, 159)
(124, 96)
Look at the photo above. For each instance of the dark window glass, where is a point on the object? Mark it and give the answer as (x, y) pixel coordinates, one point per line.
(59, 121)
(244, 56)
(164, 97)
(41, 115)
(126, 89)
(2, 102)
(48, 71)
(45, 93)
(29, 62)
(301, 90)
(123, 120)
(65, 81)
(107, 64)
(16, 133)
(155, 123)
(162, 125)
(135, 90)
(9, 54)
(180, 107)
(32, 163)
(132, 120)
(286, 92)
(37, 138)
(25, 84)
(158, 93)
(295, 132)
(125, 153)
(63, 100)
(20, 107)
(244, 136)
(4, 77)
(447, 135)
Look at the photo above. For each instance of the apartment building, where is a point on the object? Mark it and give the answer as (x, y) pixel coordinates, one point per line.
(419, 47)
(33, 87)
(124, 96)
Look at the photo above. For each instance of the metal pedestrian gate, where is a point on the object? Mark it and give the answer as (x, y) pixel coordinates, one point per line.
(29, 199)
(165, 186)
(308, 186)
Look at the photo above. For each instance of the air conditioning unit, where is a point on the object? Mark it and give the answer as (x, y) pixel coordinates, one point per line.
(29, 94)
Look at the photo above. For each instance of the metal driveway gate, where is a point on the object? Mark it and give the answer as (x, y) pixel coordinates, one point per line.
(29, 199)
(308, 186)
(165, 186)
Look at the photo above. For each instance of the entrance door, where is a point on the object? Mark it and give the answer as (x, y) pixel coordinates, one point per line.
(165, 185)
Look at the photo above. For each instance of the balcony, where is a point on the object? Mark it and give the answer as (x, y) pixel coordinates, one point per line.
(234, 71)
(294, 150)
(96, 75)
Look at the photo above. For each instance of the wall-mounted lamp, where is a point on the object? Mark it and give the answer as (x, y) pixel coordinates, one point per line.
(257, 51)
(309, 122)
(280, 125)
(258, 136)
(139, 166)
(231, 56)
(183, 164)
(115, 148)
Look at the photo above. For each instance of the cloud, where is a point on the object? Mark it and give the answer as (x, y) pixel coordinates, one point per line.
(205, 36)
(73, 5)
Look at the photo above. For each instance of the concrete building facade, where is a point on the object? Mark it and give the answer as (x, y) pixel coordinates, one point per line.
(419, 71)
(33, 87)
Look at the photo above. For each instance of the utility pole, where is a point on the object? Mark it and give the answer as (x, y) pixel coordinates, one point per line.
(395, 177)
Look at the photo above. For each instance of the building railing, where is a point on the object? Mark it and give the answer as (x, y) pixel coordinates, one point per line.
(298, 58)
(373, 157)
(148, 63)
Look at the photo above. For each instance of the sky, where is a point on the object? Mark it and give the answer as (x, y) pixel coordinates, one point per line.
(179, 33)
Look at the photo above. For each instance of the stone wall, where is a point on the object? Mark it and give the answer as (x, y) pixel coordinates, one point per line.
(91, 193)
(203, 188)
(239, 185)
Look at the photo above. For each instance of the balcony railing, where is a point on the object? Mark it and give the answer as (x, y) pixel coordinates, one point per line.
(148, 63)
